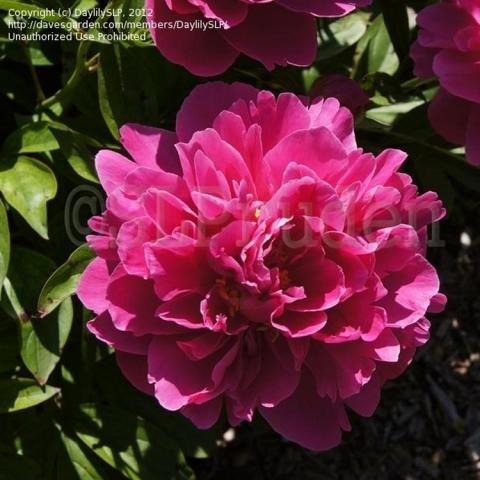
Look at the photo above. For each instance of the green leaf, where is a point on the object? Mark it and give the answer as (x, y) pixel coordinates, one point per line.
(41, 137)
(387, 114)
(77, 154)
(63, 282)
(337, 36)
(31, 138)
(110, 93)
(85, 468)
(27, 185)
(395, 15)
(21, 393)
(4, 243)
(43, 341)
(118, 391)
(374, 52)
(135, 448)
(28, 272)
(124, 96)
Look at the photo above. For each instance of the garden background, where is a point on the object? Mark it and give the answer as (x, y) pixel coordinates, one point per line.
(65, 410)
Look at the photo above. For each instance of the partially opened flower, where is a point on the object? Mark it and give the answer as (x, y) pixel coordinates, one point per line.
(448, 46)
(257, 260)
(206, 36)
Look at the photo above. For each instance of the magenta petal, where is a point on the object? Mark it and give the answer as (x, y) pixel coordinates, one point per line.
(270, 45)
(190, 47)
(322, 8)
(303, 324)
(366, 401)
(473, 140)
(232, 13)
(92, 289)
(183, 310)
(458, 73)
(130, 240)
(179, 267)
(410, 291)
(112, 169)
(205, 102)
(423, 59)
(104, 329)
(449, 116)
(437, 303)
(133, 304)
(204, 415)
(150, 147)
(440, 22)
(311, 421)
(177, 379)
(317, 149)
(166, 210)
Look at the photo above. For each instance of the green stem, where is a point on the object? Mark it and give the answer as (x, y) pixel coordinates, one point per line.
(36, 82)
(82, 68)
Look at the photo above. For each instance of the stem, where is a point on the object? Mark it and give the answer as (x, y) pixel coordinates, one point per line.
(82, 68)
(36, 82)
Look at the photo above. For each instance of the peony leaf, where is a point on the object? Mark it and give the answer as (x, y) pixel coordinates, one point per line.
(85, 468)
(43, 136)
(31, 138)
(43, 341)
(124, 96)
(395, 15)
(27, 185)
(336, 36)
(21, 393)
(386, 115)
(63, 282)
(4, 243)
(375, 52)
(134, 447)
(192, 441)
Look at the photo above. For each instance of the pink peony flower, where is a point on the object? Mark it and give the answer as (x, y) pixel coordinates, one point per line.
(448, 46)
(347, 91)
(256, 259)
(206, 36)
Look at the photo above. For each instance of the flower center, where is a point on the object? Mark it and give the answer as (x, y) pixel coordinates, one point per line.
(285, 280)
(230, 294)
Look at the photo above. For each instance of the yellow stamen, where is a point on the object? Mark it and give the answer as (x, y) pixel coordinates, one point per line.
(230, 294)
(284, 278)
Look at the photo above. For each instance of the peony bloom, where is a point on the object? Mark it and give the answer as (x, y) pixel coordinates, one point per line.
(256, 259)
(206, 36)
(347, 91)
(448, 46)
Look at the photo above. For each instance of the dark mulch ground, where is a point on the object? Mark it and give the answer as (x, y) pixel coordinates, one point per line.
(428, 423)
